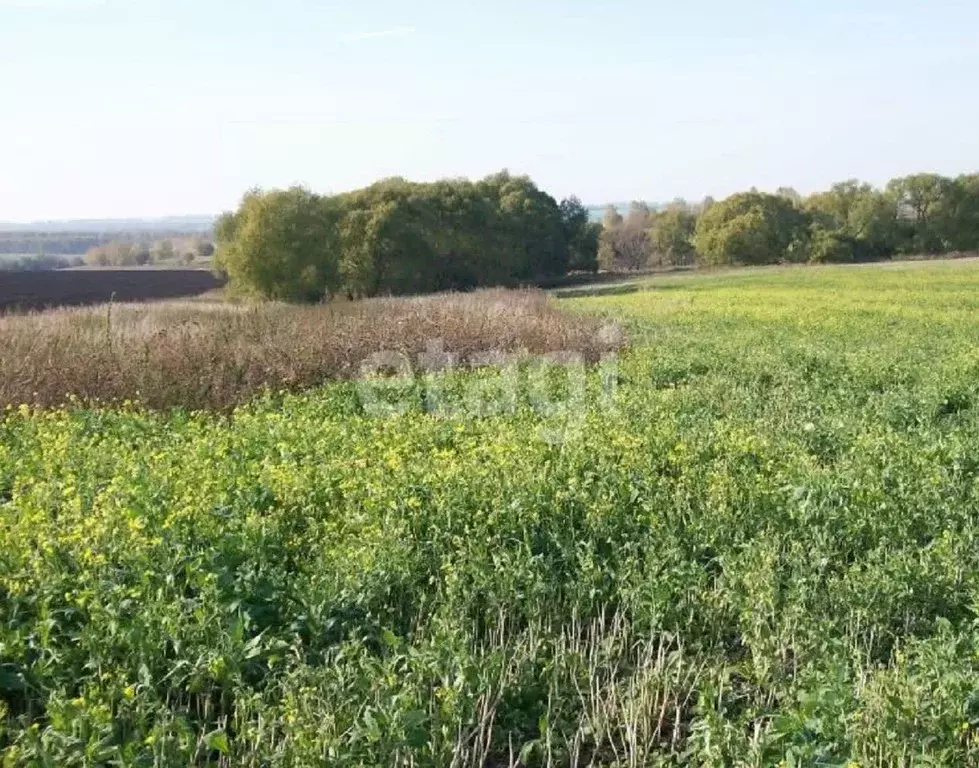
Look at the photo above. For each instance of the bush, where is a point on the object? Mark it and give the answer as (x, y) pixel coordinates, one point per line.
(671, 236)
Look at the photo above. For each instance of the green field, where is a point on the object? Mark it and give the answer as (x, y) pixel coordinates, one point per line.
(755, 541)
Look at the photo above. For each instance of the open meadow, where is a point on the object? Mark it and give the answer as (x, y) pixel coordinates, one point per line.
(750, 535)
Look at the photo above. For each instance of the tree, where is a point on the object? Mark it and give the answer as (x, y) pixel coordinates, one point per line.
(671, 235)
(203, 249)
(97, 256)
(163, 250)
(790, 194)
(123, 254)
(612, 218)
(141, 254)
(832, 246)
(384, 249)
(532, 225)
(959, 214)
(281, 245)
(920, 200)
(581, 236)
(751, 228)
(400, 237)
(862, 221)
(226, 225)
(624, 242)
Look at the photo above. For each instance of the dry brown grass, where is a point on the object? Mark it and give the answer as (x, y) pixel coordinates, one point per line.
(213, 354)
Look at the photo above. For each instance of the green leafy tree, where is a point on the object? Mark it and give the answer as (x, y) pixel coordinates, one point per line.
(163, 251)
(122, 254)
(833, 246)
(853, 221)
(400, 237)
(115, 254)
(281, 245)
(921, 200)
(384, 250)
(581, 235)
(790, 194)
(959, 214)
(671, 235)
(751, 228)
(142, 254)
(530, 221)
(203, 249)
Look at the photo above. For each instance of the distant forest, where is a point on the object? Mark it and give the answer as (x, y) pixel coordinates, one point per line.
(36, 251)
(51, 243)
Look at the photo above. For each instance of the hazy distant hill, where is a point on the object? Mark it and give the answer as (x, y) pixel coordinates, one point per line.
(75, 238)
(181, 224)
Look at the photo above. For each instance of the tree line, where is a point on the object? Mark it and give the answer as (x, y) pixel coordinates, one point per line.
(168, 251)
(38, 262)
(922, 214)
(41, 243)
(398, 237)
(70, 243)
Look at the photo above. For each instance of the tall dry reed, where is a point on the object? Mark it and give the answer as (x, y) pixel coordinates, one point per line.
(214, 354)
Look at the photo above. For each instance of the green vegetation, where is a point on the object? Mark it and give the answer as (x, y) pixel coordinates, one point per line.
(33, 262)
(756, 542)
(923, 214)
(397, 237)
(750, 228)
(59, 244)
(182, 251)
(77, 239)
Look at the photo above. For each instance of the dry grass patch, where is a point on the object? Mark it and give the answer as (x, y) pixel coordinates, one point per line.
(213, 354)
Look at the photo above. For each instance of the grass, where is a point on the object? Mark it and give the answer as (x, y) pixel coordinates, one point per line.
(758, 544)
(213, 354)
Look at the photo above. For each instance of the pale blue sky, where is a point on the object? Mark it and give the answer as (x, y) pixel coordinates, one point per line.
(118, 108)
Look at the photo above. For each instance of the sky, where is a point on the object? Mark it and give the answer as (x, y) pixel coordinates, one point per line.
(140, 108)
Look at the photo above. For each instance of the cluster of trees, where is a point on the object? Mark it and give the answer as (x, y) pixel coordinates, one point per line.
(401, 237)
(398, 237)
(59, 244)
(851, 222)
(122, 253)
(645, 238)
(39, 263)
